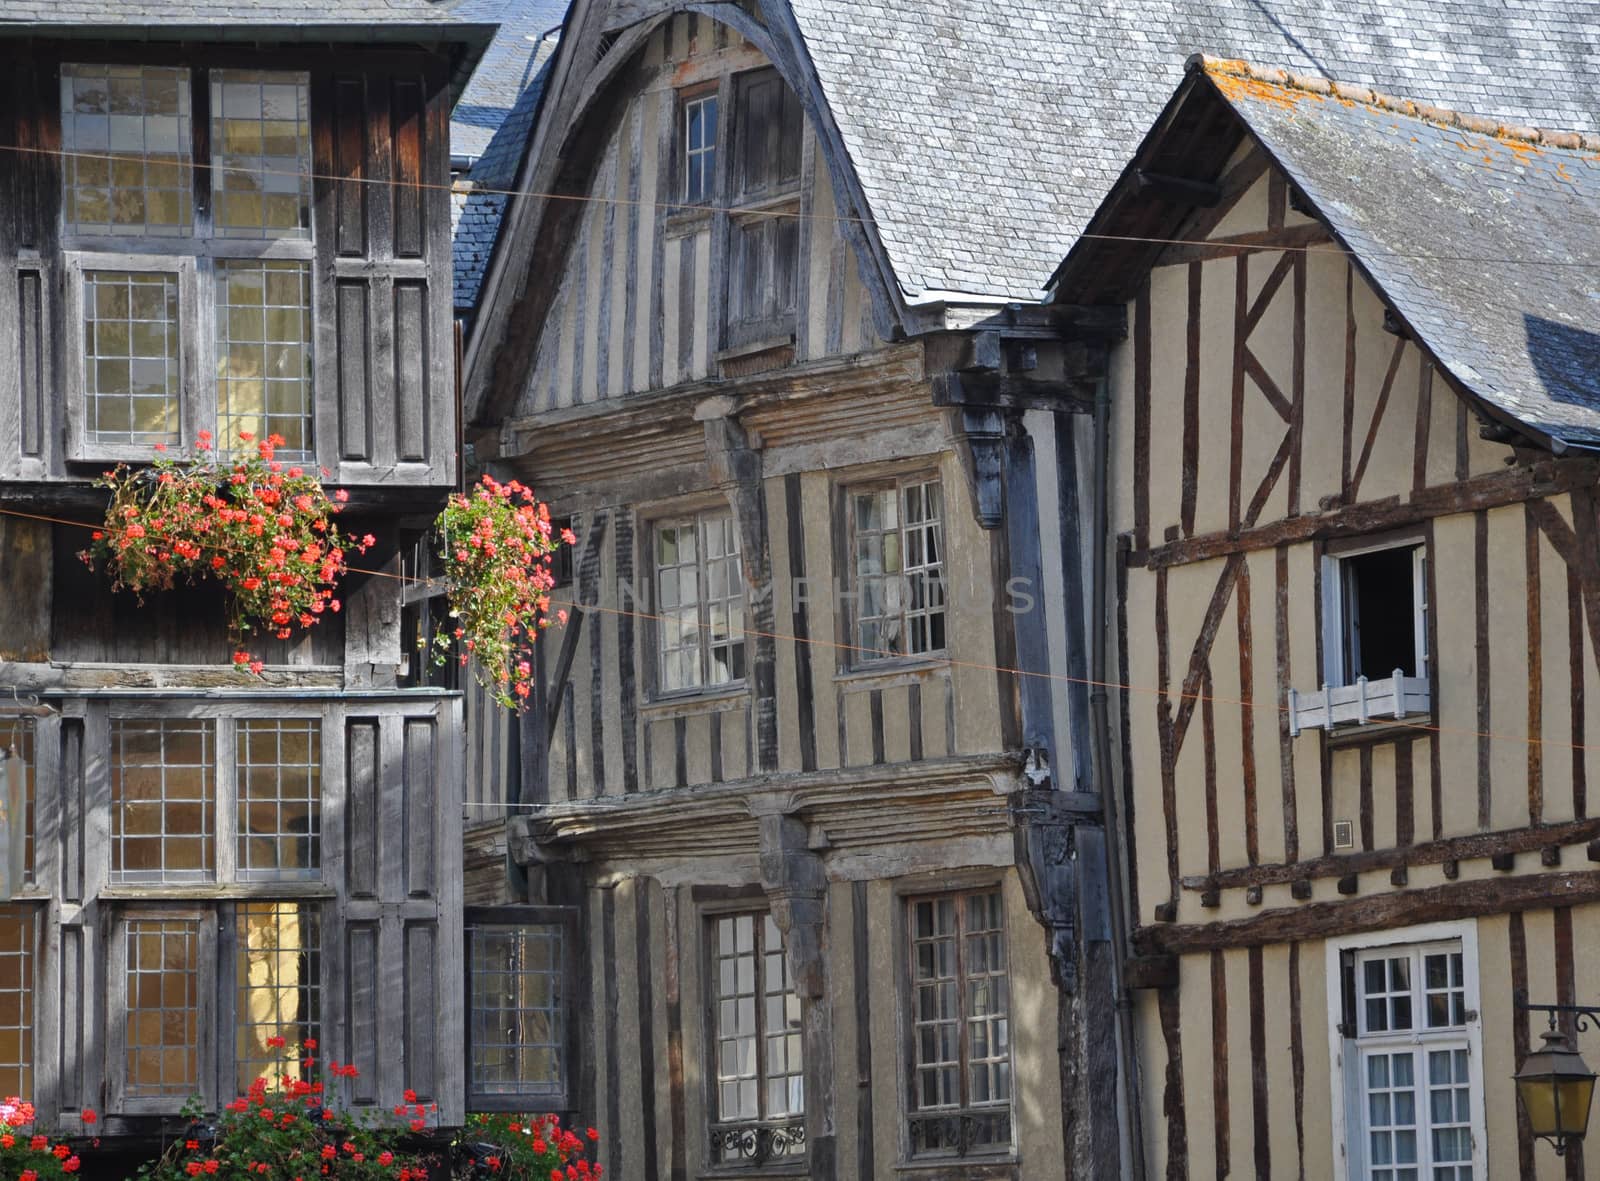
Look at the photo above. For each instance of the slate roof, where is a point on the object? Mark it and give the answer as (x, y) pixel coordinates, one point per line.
(493, 122)
(1481, 237)
(985, 134)
(227, 12)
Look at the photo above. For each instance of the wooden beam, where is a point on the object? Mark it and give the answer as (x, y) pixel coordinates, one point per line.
(1319, 920)
(1007, 392)
(1180, 190)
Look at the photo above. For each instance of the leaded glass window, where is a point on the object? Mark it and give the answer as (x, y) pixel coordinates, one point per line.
(16, 1000)
(126, 150)
(278, 777)
(700, 603)
(960, 1024)
(163, 800)
(897, 540)
(699, 148)
(131, 365)
(278, 992)
(162, 969)
(758, 1068)
(261, 154)
(517, 1031)
(264, 352)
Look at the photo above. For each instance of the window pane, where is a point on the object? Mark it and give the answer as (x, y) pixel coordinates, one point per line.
(517, 1029)
(700, 149)
(130, 366)
(162, 801)
(264, 353)
(126, 149)
(16, 1000)
(163, 1007)
(261, 154)
(278, 769)
(279, 974)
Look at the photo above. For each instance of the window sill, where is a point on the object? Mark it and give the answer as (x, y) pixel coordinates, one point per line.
(960, 1168)
(897, 671)
(684, 220)
(723, 697)
(217, 891)
(1392, 699)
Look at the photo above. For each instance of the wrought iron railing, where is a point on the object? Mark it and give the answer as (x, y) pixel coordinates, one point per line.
(957, 1133)
(756, 1143)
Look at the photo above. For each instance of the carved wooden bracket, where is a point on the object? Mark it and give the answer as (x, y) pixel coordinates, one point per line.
(1045, 823)
(979, 435)
(792, 875)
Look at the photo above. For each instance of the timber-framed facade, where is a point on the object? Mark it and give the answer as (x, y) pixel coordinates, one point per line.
(219, 864)
(780, 769)
(1356, 568)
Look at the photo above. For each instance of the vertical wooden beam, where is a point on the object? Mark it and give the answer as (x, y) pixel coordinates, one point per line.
(627, 665)
(1141, 416)
(590, 574)
(644, 975)
(1126, 802)
(1297, 1060)
(800, 622)
(1405, 810)
(1480, 583)
(861, 956)
(1208, 740)
(1367, 820)
(1435, 759)
(1535, 744)
(1298, 391)
(1172, 1097)
(1247, 720)
(1191, 403)
(1291, 815)
(1241, 304)
(1025, 564)
(1169, 755)
(1260, 1123)
(608, 1020)
(1518, 940)
(1419, 458)
(1346, 441)
(1580, 783)
(1219, 1064)
(1072, 532)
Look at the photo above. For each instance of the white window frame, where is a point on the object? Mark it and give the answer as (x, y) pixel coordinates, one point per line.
(698, 519)
(192, 257)
(857, 655)
(692, 157)
(1336, 639)
(1348, 1123)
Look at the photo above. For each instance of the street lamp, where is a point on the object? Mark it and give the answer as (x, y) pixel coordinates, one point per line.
(1555, 1083)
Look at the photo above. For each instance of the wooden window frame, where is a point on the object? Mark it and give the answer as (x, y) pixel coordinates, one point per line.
(1347, 1087)
(117, 1009)
(856, 658)
(762, 207)
(1336, 637)
(572, 951)
(683, 154)
(35, 915)
(773, 1147)
(697, 514)
(193, 256)
(958, 887)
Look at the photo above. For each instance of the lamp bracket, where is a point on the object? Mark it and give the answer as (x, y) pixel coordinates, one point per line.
(1583, 1017)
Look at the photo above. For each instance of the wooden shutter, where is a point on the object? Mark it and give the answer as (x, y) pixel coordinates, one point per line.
(385, 382)
(393, 1000)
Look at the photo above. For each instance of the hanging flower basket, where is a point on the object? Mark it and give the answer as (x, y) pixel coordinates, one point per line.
(496, 544)
(262, 529)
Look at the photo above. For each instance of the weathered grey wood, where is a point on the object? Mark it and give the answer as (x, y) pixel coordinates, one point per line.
(687, 290)
(630, 263)
(361, 809)
(412, 347)
(627, 669)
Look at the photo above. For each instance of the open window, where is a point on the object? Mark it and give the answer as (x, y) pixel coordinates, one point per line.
(1374, 638)
(764, 225)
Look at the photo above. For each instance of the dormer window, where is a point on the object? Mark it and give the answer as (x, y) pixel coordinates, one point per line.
(764, 227)
(699, 147)
(181, 323)
(1374, 639)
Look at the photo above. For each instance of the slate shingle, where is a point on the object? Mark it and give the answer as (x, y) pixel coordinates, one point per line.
(1484, 244)
(1046, 100)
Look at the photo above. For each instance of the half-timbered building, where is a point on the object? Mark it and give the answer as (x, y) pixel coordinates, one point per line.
(225, 218)
(1353, 452)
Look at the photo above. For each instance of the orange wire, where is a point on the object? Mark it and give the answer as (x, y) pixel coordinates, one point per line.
(977, 666)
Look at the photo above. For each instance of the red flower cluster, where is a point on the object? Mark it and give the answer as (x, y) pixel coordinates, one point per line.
(531, 1148)
(297, 1129)
(265, 531)
(497, 544)
(27, 1155)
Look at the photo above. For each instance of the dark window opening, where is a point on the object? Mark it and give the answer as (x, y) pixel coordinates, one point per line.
(1380, 614)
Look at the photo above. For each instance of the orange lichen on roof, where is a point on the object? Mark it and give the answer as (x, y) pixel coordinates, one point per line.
(1240, 79)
